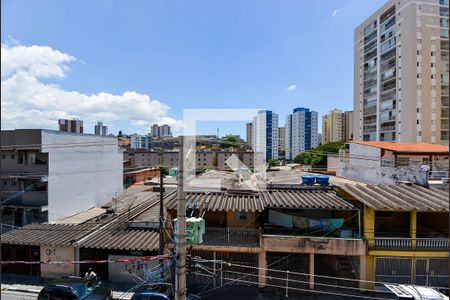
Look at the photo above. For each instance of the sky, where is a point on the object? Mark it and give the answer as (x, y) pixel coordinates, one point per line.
(134, 63)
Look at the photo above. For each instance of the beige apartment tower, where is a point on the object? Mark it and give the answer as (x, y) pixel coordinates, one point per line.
(401, 73)
(337, 126)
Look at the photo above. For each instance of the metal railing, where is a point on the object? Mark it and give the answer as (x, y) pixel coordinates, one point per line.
(231, 236)
(407, 243)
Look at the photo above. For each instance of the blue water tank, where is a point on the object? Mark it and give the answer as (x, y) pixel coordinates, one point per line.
(308, 179)
(323, 179)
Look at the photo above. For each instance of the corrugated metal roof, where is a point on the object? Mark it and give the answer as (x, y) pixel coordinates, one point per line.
(47, 234)
(219, 201)
(117, 235)
(253, 202)
(82, 217)
(317, 199)
(399, 197)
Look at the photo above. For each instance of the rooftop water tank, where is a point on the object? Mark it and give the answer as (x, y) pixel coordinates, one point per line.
(308, 179)
(323, 179)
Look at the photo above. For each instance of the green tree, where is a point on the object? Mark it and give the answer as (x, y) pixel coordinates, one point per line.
(273, 163)
(318, 156)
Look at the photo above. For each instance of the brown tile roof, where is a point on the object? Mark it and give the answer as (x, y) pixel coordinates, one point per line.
(407, 147)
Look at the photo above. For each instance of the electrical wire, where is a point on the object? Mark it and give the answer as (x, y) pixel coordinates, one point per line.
(302, 290)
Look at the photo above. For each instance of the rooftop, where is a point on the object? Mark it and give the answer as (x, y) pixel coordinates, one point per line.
(407, 147)
(399, 197)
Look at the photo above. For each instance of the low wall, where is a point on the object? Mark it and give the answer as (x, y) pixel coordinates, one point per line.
(384, 175)
(316, 245)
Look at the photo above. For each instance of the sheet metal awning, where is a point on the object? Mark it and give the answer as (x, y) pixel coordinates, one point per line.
(399, 197)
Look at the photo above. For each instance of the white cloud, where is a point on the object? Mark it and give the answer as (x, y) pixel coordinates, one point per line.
(291, 88)
(335, 12)
(29, 102)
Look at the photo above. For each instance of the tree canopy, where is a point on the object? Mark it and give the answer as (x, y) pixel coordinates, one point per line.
(319, 159)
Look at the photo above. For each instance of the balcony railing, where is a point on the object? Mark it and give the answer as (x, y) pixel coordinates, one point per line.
(231, 237)
(408, 243)
(32, 198)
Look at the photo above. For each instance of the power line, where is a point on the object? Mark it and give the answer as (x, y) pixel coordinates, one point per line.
(302, 290)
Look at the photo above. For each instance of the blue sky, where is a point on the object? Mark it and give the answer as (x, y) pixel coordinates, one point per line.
(194, 54)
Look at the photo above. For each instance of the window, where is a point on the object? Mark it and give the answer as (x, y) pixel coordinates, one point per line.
(21, 158)
(3, 156)
(241, 216)
(12, 156)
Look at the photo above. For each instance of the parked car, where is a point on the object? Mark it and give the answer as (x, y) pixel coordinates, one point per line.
(149, 296)
(74, 288)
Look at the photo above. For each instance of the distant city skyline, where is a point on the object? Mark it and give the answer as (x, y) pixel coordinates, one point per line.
(157, 61)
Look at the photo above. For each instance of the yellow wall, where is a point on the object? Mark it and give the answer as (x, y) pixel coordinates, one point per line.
(369, 225)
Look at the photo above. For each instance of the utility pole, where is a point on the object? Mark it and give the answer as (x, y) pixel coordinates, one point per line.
(180, 278)
(161, 212)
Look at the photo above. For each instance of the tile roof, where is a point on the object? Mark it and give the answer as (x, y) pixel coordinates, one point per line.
(407, 147)
(399, 197)
(47, 234)
(252, 202)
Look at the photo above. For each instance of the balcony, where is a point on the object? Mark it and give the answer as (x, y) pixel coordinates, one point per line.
(370, 111)
(231, 237)
(309, 244)
(408, 243)
(387, 128)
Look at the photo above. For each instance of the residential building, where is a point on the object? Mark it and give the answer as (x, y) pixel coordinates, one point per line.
(162, 131)
(73, 125)
(281, 142)
(337, 126)
(100, 129)
(401, 73)
(388, 163)
(332, 126)
(49, 174)
(165, 131)
(204, 159)
(248, 135)
(319, 139)
(350, 235)
(265, 134)
(138, 141)
(347, 126)
(154, 130)
(131, 175)
(300, 131)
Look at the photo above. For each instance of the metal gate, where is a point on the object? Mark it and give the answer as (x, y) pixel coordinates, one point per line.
(432, 272)
(393, 270)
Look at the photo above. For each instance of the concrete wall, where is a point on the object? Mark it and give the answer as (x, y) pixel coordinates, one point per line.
(362, 162)
(84, 171)
(49, 253)
(317, 245)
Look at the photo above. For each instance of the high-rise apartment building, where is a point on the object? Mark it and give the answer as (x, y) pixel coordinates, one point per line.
(401, 73)
(281, 142)
(248, 135)
(347, 125)
(265, 134)
(332, 126)
(100, 129)
(337, 126)
(160, 131)
(300, 131)
(140, 141)
(73, 125)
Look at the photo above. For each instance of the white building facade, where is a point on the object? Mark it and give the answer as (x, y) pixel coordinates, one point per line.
(265, 134)
(301, 132)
